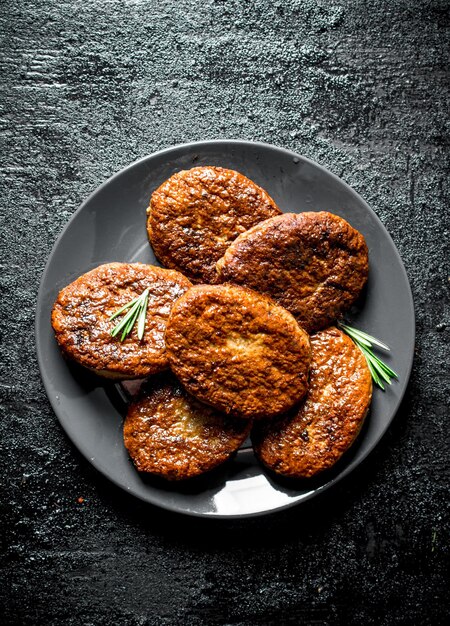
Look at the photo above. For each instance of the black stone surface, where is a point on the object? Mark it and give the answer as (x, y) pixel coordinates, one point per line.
(362, 88)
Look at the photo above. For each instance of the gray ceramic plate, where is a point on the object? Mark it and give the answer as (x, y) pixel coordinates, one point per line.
(110, 226)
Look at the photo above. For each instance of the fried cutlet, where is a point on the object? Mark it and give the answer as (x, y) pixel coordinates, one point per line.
(170, 434)
(195, 215)
(314, 436)
(80, 318)
(313, 264)
(238, 351)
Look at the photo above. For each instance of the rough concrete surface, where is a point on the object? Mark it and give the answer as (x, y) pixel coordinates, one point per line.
(358, 86)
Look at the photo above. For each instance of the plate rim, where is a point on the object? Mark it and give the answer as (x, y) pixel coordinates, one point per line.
(238, 142)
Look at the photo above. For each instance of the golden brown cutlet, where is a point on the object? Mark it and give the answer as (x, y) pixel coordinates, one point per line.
(80, 318)
(314, 436)
(238, 350)
(313, 264)
(170, 434)
(195, 215)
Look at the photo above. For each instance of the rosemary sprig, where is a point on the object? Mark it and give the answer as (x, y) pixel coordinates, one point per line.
(378, 369)
(137, 310)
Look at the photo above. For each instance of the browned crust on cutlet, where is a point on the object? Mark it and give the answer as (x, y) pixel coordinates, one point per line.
(80, 318)
(313, 264)
(238, 351)
(170, 434)
(315, 436)
(195, 215)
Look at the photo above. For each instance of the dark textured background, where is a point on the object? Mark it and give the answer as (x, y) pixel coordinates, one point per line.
(362, 88)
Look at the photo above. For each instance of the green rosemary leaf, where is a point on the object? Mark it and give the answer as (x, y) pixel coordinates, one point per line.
(131, 322)
(386, 368)
(124, 322)
(374, 374)
(142, 315)
(375, 363)
(350, 332)
(136, 311)
(361, 335)
(378, 369)
(124, 308)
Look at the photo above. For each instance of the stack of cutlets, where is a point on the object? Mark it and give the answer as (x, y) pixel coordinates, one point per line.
(236, 336)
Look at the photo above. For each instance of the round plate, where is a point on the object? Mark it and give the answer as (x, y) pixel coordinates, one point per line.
(110, 226)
